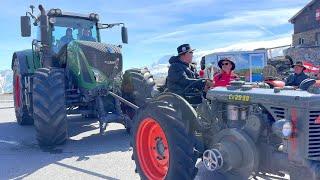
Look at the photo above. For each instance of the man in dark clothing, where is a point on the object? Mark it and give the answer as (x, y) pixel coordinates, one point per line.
(87, 35)
(66, 38)
(179, 74)
(298, 76)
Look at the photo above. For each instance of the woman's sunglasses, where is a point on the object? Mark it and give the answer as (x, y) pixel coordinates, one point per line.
(225, 64)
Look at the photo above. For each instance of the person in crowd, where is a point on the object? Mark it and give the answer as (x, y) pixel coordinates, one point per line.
(87, 35)
(226, 74)
(202, 67)
(298, 76)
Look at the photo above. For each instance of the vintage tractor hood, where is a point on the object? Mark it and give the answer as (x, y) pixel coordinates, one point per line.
(286, 98)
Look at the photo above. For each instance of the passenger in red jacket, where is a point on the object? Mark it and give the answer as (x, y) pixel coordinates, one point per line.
(226, 75)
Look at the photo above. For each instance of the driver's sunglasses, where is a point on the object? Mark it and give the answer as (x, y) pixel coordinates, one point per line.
(225, 64)
(190, 52)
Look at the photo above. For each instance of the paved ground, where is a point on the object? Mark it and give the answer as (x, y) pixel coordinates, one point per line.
(87, 155)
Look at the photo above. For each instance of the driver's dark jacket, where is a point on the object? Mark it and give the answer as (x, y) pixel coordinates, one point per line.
(180, 76)
(295, 79)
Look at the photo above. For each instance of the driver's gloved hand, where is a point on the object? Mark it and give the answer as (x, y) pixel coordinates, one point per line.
(208, 85)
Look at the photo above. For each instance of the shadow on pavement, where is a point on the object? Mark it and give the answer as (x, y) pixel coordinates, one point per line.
(21, 156)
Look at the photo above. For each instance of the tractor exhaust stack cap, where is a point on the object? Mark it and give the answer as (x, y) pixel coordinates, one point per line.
(43, 12)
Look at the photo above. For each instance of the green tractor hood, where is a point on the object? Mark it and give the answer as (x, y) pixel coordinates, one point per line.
(91, 64)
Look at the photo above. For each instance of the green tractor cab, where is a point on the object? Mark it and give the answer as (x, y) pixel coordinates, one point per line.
(68, 70)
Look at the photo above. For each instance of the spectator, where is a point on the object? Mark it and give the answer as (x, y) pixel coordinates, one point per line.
(226, 75)
(202, 67)
(87, 35)
(298, 76)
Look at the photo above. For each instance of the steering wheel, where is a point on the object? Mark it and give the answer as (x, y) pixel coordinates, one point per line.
(190, 90)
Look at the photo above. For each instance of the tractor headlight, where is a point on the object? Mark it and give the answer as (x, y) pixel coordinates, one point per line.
(287, 129)
(52, 20)
(99, 77)
(282, 128)
(58, 11)
(96, 17)
(52, 12)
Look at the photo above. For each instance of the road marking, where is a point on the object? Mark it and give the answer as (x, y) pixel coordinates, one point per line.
(6, 107)
(10, 142)
(6, 101)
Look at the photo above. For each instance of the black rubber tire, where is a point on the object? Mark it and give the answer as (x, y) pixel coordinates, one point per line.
(22, 114)
(181, 143)
(50, 116)
(137, 86)
(301, 173)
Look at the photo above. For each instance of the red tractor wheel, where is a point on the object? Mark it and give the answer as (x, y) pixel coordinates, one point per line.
(163, 148)
(22, 114)
(152, 149)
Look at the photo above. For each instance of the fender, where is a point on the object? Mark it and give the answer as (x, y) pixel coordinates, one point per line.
(27, 60)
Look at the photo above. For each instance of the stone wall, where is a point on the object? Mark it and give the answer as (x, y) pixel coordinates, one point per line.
(310, 54)
(310, 37)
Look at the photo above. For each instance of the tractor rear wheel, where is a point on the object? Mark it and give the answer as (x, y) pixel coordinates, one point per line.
(22, 114)
(162, 146)
(50, 116)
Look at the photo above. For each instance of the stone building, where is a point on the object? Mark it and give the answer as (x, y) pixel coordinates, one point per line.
(307, 25)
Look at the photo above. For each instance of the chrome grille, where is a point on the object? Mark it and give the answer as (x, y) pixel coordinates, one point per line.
(314, 135)
(278, 112)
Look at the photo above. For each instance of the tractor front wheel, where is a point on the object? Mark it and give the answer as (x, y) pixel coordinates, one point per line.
(50, 116)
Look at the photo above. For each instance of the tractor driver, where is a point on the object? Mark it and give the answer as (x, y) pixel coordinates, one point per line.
(66, 38)
(179, 74)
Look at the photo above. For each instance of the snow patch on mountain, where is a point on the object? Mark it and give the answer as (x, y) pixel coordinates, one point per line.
(6, 77)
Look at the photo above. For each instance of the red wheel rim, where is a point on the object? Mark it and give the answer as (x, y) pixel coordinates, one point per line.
(17, 91)
(152, 149)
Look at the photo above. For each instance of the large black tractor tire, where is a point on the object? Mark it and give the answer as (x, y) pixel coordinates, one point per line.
(50, 116)
(22, 114)
(137, 86)
(163, 148)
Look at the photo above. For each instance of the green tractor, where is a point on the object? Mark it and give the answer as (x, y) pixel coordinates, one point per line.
(68, 70)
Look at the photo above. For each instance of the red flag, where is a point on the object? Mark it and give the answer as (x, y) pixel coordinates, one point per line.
(318, 14)
(310, 68)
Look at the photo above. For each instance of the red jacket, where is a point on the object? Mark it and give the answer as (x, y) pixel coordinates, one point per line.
(201, 73)
(223, 79)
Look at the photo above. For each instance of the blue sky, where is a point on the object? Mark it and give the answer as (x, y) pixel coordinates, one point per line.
(156, 28)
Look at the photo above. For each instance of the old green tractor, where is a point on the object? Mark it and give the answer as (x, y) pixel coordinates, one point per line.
(239, 131)
(68, 70)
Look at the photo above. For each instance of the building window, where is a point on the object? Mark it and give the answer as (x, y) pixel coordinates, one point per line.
(301, 41)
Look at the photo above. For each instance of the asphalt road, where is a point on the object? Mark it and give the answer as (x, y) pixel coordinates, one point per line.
(87, 155)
